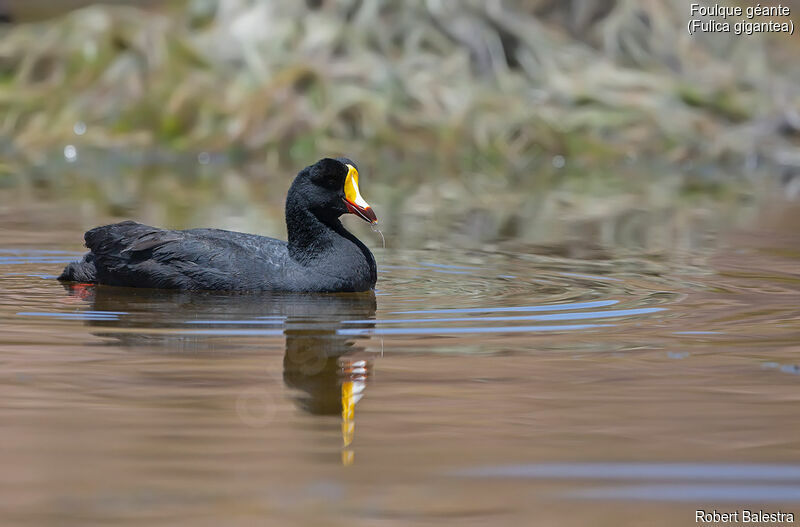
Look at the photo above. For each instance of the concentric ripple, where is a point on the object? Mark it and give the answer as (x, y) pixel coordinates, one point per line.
(462, 294)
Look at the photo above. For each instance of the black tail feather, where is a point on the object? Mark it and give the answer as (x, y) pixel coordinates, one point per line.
(108, 240)
(82, 271)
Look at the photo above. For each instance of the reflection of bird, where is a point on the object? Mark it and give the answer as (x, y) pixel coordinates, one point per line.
(320, 256)
(313, 363)
(324, 381)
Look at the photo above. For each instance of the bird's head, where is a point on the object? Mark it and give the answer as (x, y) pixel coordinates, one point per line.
(330, 188)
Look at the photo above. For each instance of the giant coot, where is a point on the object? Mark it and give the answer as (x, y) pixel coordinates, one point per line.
(320, 256)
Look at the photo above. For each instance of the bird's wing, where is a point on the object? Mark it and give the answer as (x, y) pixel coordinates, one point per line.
(132, 254)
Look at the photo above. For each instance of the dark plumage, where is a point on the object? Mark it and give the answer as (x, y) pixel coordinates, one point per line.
(320, 256)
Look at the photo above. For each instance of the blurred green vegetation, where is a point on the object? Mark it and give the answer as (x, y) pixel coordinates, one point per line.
(439, 101)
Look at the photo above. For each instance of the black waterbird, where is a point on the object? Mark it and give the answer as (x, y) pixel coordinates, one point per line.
(320, 256)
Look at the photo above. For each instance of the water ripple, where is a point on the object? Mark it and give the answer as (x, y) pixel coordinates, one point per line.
(639, 471)
(461, 331)
(557, 316)
(693, 493)
(83, 315)
(554, 307)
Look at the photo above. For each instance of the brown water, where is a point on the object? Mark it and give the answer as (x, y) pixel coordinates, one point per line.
(522, 385)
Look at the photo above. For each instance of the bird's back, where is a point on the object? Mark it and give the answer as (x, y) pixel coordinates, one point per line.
(136, 255)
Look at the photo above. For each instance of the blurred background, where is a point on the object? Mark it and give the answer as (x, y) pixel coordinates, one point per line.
(586, 312)
(472, 122)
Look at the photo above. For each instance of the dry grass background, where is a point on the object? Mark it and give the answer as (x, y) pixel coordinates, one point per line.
(461, 103)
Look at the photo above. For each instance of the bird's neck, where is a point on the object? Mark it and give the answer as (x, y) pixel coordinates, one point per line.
(318, 243)
(309, 236)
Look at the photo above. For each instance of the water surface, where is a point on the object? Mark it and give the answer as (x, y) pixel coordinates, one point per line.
(473, 388)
